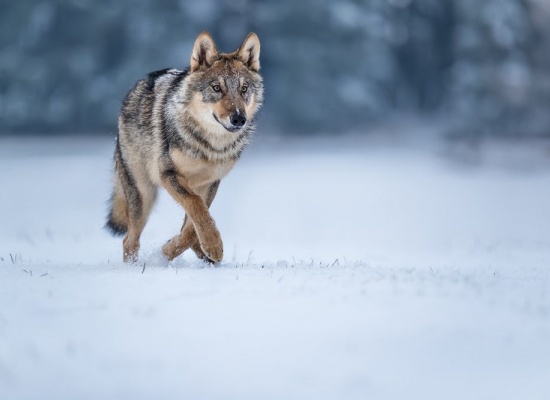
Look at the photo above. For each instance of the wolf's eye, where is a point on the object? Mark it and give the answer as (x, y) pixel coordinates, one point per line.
(244, 89)
(216, 88)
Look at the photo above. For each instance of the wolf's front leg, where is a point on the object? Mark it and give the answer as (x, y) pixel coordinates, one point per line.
(203, 223)
(182, 241)
(187, 238)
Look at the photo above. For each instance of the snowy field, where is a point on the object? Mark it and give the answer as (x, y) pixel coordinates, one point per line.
(353, 270)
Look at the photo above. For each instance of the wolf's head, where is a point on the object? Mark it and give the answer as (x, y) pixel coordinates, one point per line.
(225, 90)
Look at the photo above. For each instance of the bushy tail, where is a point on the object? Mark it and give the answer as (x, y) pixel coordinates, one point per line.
(117, 219)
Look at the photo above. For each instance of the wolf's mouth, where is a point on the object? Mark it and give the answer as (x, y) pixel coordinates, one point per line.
(230, 128)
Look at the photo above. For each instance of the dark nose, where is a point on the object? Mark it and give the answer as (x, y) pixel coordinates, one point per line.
(238, 120)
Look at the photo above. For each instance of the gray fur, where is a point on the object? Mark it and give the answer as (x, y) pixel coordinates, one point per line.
(163, 114)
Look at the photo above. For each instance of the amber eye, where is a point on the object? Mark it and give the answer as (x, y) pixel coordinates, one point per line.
(244, 89)
(216, 88)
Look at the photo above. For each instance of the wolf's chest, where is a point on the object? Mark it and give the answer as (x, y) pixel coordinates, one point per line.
(199, 172)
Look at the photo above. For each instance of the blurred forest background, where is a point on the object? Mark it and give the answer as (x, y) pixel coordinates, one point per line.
(482, 66)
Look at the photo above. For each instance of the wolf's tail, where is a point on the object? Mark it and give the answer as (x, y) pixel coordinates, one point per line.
(117, 218)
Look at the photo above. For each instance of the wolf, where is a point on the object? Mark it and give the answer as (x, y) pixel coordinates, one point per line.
(184, 130)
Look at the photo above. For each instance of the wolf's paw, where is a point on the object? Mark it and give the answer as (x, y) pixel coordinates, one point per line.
(212, 246)
(172, 248)
(130, 251)
(130, 257)
(198, 251)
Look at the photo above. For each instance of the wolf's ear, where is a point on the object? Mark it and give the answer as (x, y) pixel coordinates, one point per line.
(249, 52)
(204, 52)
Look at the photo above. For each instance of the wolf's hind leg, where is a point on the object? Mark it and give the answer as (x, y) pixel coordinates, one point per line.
(140, 204)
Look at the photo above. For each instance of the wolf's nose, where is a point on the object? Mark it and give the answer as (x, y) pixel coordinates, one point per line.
(238, 120)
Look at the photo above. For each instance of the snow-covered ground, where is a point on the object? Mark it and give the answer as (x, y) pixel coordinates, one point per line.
(351, 271)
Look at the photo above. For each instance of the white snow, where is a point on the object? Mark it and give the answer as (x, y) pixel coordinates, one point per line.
(352, 271)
